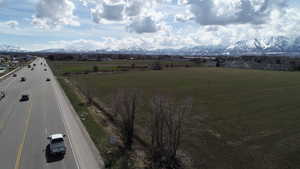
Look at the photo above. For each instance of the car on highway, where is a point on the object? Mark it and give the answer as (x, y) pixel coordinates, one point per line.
(56, 146)
(24, 97)
(2, 95)
(23, 79)
(48, 79)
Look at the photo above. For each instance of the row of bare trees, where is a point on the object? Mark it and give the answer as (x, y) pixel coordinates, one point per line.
(165, 124)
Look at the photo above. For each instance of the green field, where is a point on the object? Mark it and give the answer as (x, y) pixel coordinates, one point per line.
(82, 66)
(252, 117)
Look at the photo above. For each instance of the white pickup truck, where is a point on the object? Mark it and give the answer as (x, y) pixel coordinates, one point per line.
(56, 145)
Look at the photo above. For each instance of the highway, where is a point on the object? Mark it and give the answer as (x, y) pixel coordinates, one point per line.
(25, 126)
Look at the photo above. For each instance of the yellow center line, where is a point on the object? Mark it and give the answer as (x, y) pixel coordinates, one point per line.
(18, 160)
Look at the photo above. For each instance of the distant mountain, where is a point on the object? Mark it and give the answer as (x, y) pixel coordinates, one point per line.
(10, 48)
(54, 51)
(296, 45)
(246, 46)
(279, 44)
(276, 45)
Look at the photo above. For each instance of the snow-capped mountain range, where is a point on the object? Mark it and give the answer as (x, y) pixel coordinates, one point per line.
(273, 45)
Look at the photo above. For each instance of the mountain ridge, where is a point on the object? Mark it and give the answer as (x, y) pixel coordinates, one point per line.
(275, 44)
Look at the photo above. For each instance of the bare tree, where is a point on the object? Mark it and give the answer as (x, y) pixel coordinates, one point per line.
(166, 130)
(124, 106)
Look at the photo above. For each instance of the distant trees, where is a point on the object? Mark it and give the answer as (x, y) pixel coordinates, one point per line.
(95, 68)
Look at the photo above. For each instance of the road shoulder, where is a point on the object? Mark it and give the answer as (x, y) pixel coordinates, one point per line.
(78, 150)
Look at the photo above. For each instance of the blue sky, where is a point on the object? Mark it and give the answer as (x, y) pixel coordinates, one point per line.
(151, 24)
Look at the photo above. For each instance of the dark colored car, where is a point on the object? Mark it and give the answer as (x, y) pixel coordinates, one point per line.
(48, 79)
(2, 95)
(24, 98)
(23, 79)
(45, 69)
(14, 75)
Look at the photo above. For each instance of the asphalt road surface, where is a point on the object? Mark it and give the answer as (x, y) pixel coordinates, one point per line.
(24, 126)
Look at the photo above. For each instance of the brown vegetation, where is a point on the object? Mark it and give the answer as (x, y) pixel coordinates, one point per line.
(166, 131)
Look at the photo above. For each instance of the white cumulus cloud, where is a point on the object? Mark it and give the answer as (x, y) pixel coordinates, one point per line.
(224, 12)
(55, 13)
(110, 12)
(144, 25)
(134, 8)
(140, 16)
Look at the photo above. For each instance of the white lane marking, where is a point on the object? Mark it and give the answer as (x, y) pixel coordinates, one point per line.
(67, 128)
(66, 125)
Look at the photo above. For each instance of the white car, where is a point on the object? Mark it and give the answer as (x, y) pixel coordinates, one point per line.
(56, 144)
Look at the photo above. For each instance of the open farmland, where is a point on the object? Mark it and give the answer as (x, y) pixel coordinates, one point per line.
(241, 118)
(83, 66)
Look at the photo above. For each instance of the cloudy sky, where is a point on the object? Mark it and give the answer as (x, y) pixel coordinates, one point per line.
(150, 24)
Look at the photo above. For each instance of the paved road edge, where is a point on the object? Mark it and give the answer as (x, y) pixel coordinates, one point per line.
(81, 126)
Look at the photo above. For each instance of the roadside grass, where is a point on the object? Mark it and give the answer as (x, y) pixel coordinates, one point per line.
(97, 134)
(253, 116)
(111, 154)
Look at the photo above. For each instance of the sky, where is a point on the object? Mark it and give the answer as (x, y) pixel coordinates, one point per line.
(148, 24)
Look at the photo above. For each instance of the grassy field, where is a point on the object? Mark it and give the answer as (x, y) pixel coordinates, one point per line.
(82, 66)
(252, 117)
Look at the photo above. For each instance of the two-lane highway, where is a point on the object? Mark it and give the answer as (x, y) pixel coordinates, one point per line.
(24, 126)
